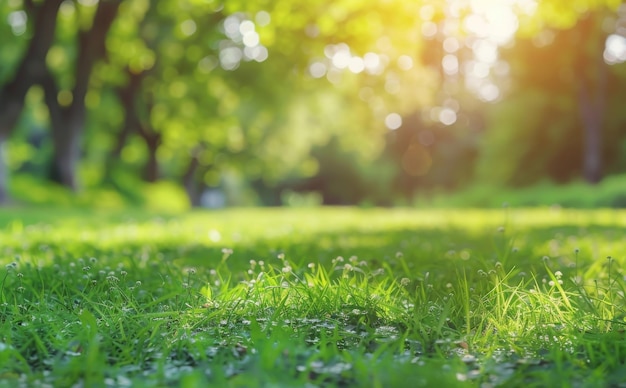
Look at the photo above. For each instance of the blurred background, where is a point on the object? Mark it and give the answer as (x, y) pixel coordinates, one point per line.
(170, 104)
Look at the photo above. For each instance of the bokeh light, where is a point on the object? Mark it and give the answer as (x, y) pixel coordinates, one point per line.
(615, 50)
(393, 121)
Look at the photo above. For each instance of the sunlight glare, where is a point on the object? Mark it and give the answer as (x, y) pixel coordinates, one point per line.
(373, 63)
(477, 69)
(251, 39)
(485, 51)
(429, 29)
(356, 65)
(450, 64)
(246, 26)
(258, 53)
(527, 7)
(317, 70)
(447, 116)
(489, 92)
(615, 49)
(393, 121)
(262, 18)
(188, 27)
(231, 27)
(341, 59)
(494, 20)
(405, 62)
(427, 12)
(451, 45)
(18, 20)
(230, 57)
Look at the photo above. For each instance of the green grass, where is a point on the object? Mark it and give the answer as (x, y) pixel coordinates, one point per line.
(313, 297)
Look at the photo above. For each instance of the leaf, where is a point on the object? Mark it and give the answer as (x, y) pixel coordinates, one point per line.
(207, 292)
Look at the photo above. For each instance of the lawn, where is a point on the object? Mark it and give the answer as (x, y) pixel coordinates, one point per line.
(313, 297)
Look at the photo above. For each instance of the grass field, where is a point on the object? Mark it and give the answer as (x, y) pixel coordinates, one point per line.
(313, 297)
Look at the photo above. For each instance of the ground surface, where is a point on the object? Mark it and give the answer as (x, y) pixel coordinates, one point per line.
(313, 297)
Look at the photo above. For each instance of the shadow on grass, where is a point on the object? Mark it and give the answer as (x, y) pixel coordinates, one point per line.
(437, 250)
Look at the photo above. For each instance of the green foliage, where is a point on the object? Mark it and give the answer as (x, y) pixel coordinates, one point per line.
(197, 92)
(162, 196)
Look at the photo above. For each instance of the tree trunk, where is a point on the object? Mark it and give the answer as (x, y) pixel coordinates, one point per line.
(112, 161)
(153, 142)
(29, 71)
(67, 150)
(4, 197)
(592, 128)
(190, 181)
(67, 123)
(144, 103)
(592, 73)
(31, 67)
(127, 96)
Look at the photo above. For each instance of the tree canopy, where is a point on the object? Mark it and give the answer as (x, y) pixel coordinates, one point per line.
(356, 101)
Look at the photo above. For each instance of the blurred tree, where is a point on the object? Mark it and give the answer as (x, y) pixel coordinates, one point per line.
(203, 91)
(250, 109)
(187, 103)
(575, 56)
(568, 94)
(66, 104)
(40, 18)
